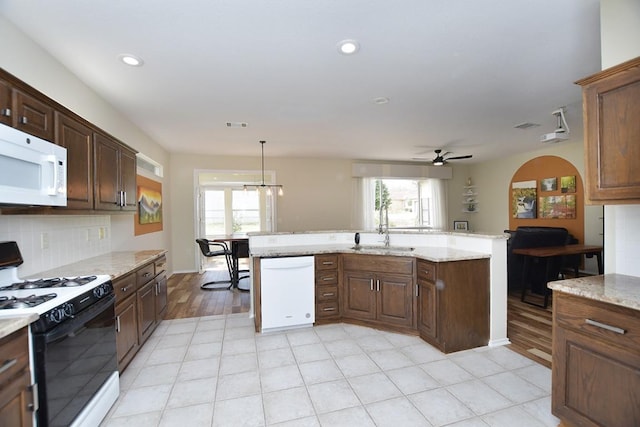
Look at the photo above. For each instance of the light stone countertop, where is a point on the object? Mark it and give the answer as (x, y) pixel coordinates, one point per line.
(617, 289)
(408, 230)
(115, 264)
(434, 254)
(9, 325)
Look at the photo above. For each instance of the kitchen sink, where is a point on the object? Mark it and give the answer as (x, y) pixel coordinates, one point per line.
(383, 248)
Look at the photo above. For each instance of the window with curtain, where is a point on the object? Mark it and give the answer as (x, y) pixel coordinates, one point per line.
(411, 202)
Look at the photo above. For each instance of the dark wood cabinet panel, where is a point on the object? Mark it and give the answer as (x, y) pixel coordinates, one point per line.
(161, 296)
(127, 331)
(427, 307)
(596, 369)
(115, 175)
(327, 288)
(16, 399)
(612, 132)
(33, 116)
(78, 140)
(146, 311)
(359, 298)
(128, 178)
(395, 299)
(6, 109)
(380, 289)
(453, 303)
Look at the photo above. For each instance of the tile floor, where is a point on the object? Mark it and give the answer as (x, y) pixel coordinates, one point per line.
(215, 371)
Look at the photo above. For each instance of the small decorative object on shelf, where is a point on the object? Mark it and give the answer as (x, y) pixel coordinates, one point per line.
(469, 198)
(460, 225)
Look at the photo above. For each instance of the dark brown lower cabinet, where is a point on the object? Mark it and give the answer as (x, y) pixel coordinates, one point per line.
(596, 363)
(453, 303)
(16, 398)
(127, 331)
(146, 310)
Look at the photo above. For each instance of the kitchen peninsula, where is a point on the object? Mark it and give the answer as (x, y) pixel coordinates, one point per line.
(416, 267)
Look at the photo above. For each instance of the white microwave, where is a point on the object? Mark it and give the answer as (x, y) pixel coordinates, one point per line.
(32, 171)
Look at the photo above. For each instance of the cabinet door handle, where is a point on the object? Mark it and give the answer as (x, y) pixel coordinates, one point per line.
(23, 120)
(125, 289)
(329, 309)
(417, 290)
(6, 112)
(328, 294)
(157, 290)
(378, 285)
(147, 274)
(7, 364)
(327, 262)
(124, 198)
(371, 284)
(605, 326)
(118, 324)
(327, 279)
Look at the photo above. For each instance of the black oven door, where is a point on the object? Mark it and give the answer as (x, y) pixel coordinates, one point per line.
(73, 360)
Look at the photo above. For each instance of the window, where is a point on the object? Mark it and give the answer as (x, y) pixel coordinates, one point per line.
(225, 208)
(409, 202)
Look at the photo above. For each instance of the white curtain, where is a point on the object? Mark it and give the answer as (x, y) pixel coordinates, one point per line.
(437, 191)
(363, 205)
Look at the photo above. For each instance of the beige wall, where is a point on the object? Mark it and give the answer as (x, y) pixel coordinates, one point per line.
(317, 196)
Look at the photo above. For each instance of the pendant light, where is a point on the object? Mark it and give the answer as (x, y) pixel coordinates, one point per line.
(267, 187)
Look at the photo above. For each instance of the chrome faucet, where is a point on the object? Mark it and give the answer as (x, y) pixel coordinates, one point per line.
(384, 227)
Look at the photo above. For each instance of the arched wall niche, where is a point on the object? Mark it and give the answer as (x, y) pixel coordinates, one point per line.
(541, 168)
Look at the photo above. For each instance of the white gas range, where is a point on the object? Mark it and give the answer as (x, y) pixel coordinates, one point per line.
(74, 359)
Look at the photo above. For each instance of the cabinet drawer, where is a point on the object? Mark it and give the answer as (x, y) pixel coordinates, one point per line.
(327, 309)
(124, 286)
(326, 262)
(426, 271)
(595, 319)
(329, 277)
(326, 293)
(15, 354)
(160, 265)
(145, 274)
(381, 263)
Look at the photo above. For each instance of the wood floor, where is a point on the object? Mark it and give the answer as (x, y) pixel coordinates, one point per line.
(186, 299)
(528, 326)
(529, 330)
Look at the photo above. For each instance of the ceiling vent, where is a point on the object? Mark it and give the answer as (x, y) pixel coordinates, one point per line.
(237, 124)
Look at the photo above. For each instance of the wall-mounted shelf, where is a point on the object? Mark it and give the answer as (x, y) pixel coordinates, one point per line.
(470, 199)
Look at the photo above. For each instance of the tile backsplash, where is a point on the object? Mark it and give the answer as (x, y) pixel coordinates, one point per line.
(50, 241)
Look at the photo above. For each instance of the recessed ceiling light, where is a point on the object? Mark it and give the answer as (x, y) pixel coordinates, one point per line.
(526, 125)
(131, 60)
(381, 100)
(348, 47)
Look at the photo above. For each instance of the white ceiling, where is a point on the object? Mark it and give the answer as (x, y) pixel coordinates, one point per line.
(458, 73)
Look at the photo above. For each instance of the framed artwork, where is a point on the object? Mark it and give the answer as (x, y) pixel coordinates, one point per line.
(523, 199)
(148, 217)
(568, 184)
(549, 184)
(560, 207)
(460, 225)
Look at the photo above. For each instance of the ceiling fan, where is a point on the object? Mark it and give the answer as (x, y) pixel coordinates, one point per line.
(441, 158)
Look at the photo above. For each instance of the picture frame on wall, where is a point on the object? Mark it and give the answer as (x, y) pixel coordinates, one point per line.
(460, 225)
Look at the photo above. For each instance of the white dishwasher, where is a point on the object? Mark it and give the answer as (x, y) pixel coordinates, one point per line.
(287, 291)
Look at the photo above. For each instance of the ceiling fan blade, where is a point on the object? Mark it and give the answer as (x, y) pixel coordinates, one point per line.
(468, 156)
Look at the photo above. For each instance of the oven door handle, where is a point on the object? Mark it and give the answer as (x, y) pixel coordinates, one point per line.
(76, 322)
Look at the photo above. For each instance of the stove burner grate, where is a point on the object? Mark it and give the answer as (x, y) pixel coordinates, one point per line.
(24, 302)
(54, 282)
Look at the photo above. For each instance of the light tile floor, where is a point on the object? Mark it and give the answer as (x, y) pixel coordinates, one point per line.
(215, 371)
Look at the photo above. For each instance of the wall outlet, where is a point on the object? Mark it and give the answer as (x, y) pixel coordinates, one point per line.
(102, 233)
(44, 241)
